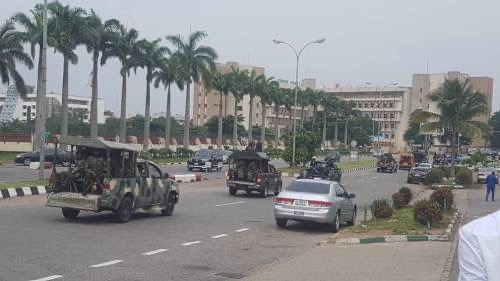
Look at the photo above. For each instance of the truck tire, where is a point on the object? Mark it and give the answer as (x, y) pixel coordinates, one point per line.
(70, 213)
(124, 211)
(264, 191)
(232, 191)
(170, 206)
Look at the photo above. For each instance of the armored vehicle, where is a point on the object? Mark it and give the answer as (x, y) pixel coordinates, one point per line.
(387, 163)
(251, 171)
(325, 170)
(107, 176)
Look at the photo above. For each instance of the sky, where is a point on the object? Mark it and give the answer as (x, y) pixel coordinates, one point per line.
(382, 41)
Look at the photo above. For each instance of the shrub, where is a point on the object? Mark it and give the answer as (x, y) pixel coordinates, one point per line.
(407, 194)
(442, 193)
(427, 211)
(185, 152)
(435, 176)
(145, 155)
(210, 147)
(227, 147)
(154, 152)
(398, 200)
(164, 152)
(464, 176)
(381, 209)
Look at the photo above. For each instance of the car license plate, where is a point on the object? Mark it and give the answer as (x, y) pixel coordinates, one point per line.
(297, 213)
(299, 202)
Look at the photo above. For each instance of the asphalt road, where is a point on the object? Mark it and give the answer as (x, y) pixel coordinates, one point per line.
(210, 234)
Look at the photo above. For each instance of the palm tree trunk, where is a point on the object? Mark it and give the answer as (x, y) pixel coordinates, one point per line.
(290, 121)
(336, 139)
(302, 118)
(453, 152)
(186, 115)
(123, 110)
(219, 128)
(39, 122)
(167, 121)
(64, 105)
(147, 113)
(324, 127)
(345, 132)
(276, 123)
(235, 123)
(250, 120)
(95, 94)
(263, 123)
(315, 109)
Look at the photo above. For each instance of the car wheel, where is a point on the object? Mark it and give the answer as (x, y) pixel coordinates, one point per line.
(124, 211)
(26, 162)
(378, 170)
(281, 223)
(70, 213)
(264, 191)
(232, 191)
(169, 209)
(190, 169)
(353, 219)
(334, 227)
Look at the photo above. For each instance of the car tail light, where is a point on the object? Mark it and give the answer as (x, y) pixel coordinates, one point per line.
(106, 186)
(285, 201)
(313, 203)
(258, 179)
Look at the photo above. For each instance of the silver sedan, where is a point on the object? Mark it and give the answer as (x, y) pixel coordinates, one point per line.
(318, 201)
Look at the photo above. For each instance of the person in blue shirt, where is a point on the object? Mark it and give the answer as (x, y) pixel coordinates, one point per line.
(491, 181)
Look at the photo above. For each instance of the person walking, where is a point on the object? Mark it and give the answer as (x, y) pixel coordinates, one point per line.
(491, 181)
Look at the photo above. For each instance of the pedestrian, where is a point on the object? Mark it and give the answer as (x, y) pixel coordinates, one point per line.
(491, 181)
(479, 249)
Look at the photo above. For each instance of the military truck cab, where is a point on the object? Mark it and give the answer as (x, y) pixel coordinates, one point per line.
(251, 171)
(108, 176)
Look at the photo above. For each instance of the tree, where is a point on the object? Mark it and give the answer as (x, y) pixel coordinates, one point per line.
(150, 55)
(122, 46)
(306, 142)
(11, 54)
(97, 37)
(413, 136)
(304, 101)
(328, 102)
(315, 101)
(458, 104)
(68, 22)
(236, 81)
(269, 88)
(197, 62)
(219, 82)
(252, 87)
(494, 123)
(227, 125)
(277, 98)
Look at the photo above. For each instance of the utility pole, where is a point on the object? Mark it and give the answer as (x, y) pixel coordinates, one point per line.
(41, 100)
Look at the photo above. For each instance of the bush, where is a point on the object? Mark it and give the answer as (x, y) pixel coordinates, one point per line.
(145, 155)
(185, 152)
(164, 152)
(398, 200)
(154, 152)
(227, 147)
(407, 194)
(435, 176)
(210, 147)
(381, 209)
(442, 193)
(464, 176)
(427, 211)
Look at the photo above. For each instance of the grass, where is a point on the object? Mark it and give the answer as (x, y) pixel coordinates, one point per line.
(170, 160)
(7, 156)
(341, 165)
(4, 185)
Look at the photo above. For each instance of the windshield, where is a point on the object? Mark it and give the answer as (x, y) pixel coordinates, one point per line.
(309, 187)
(418, 170)
(486, 170)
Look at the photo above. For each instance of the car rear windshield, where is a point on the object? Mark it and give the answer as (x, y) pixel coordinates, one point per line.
(486, 170)
(206, 154)
(309, 187)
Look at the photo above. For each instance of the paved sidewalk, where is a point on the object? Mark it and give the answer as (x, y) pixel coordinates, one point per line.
(416, 261)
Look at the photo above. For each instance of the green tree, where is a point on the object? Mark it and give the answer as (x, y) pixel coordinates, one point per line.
(494, 123)
(252, 88)
(458, 104)
(197, 62)
(413, 135)
(219, 82)
(269, 88)
(306, 143)
(227, 125)
(236, 82)
(277, 98)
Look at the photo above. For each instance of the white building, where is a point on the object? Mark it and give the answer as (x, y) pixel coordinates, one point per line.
(12, 106)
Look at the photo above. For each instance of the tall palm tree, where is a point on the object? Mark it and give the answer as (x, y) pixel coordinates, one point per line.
(458, 104)
(122, 46)
(150, 55)
(315, 101)
(304, 100)
(68, 22)
(269, 88)
(288, 102)
(97, 36)
(236, 80)
(167, 73)
(11, 54)
(220, 83)
(328, 103)
(252, 89)
(197, 61)
(277, 98)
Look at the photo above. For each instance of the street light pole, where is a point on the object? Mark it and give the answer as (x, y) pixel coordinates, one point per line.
(379, 107)
(297, 56)
(42, 104)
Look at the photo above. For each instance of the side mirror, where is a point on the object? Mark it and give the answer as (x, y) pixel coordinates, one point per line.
(352, 195)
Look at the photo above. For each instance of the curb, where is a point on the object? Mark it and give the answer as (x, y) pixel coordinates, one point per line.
(399, 238)
(171, 163)
(344, 171)
(22, 191)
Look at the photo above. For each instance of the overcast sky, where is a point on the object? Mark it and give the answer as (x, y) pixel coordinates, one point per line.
(380, 41)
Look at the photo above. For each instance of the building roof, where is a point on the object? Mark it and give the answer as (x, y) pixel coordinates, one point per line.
(95, 143)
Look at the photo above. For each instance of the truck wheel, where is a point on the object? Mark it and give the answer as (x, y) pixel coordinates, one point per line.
(264, 191)
(281, 223)
(232, 191)
(124, 211)
(169, 208)
(70, 213)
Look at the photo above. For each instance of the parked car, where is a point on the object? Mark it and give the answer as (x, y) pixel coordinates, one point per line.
(63, 157)
(318, 201)
(205, 160)
(426, 166)
(483, 173)
(417, 174)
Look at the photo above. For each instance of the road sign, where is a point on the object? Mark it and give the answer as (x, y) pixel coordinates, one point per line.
(354, 143)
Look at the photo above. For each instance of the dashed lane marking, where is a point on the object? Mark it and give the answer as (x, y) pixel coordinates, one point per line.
(106, 263)
(154, 252)
(361, 180)
(48, 278)
(374, 177)
(219, 236)
(232, 203)
(191, 243)
(242, 229)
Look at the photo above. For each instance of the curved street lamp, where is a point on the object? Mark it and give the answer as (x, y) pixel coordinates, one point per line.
(297, 56)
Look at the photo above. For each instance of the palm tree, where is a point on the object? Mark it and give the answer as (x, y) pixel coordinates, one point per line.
(219, 82)
(12, 53)
(304, 100)
(197, 62)
(253, 87)
(122, 46)
(97, 38)
(458, 104)
(277, 98)
(328, 103)
(269, 88)
(168, 72)
(315, 101)
(150, 55)
(68, 22)
(288, 102)
(235, 81)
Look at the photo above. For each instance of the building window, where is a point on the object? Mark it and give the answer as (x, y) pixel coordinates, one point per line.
(205, 105)
(371, 105)
(386, 126)
(392, 136)
(384, 105)
(385, 115)
(393, 126)
(391, 105)
(240, 108)
(366, 105)
(24, 106)
(24, 113)
(33, 114)
(392, 115)
(33, 106)
(420, 100)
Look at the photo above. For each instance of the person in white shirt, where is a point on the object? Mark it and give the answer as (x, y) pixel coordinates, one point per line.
(479, 249)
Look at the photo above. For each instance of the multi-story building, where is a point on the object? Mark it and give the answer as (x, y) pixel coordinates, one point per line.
(13, 106)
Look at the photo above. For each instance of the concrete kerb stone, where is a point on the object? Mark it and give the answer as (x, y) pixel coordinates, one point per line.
(344, 171)
(22, 191)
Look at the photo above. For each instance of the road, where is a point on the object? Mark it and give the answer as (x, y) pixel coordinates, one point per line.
(210, 235)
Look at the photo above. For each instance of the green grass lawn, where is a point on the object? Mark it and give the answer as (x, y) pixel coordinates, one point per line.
(7, 156)
(341, 165)
(4, 185)
(169, 160)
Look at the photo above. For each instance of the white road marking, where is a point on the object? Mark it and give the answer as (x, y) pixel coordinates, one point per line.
(106, 263)
(191, 243)
(361, 180)
(242, 229)
(48, 278)
(227, 204)
(374, 177)
(219, 236)
(154, 252)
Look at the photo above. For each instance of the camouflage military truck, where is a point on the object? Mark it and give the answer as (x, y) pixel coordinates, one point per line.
(107, 176)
